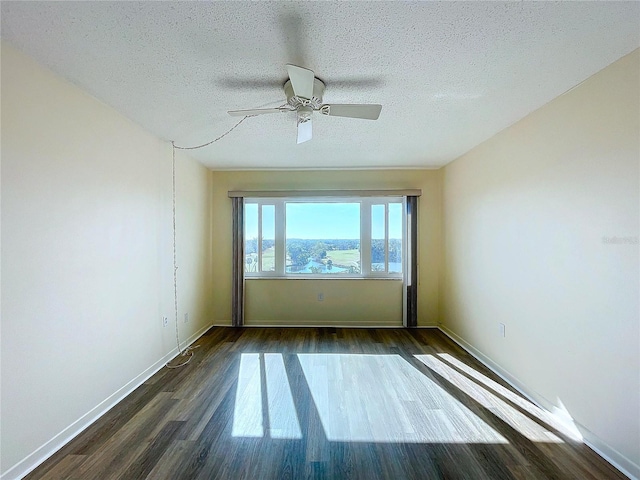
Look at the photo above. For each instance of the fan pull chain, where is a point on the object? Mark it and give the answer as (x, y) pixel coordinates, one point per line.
(215, 139)
(187, 352)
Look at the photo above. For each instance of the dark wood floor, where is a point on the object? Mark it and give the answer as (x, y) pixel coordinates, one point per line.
(271, 403)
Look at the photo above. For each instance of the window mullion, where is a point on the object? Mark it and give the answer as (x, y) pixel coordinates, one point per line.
(259, 242)
(280, 232)
(365, 237)
(386, 237)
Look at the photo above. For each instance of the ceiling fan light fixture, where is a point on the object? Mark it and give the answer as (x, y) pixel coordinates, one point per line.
(304, 114)
(305, 129)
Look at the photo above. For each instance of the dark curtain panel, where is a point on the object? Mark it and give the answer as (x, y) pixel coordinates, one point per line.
(412, 251)
(237, 294)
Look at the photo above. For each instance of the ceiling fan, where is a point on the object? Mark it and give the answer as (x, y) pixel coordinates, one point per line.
(304, 96)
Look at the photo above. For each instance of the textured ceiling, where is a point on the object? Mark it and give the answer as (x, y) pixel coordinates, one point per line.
(448, 74)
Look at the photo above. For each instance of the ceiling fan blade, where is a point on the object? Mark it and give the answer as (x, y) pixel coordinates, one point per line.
(365, 111)
(301, 81)
(257, 111)
(304, 131)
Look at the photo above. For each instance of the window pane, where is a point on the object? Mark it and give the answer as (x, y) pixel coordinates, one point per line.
(323, 238)
(378, 229)
(268, 238)
(250, 237)
(395, 238)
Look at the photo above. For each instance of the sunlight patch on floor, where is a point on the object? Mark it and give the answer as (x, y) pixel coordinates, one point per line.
(283, 419)
(248, 414)
(560, 419)
(382, 398)
(504, 411)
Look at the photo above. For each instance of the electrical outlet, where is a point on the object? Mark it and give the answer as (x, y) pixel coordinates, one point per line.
(321, 297)
(503, 332)
(186, 318)
(165, 321)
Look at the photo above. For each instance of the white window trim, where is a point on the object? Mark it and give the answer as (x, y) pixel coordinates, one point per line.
(365, 202)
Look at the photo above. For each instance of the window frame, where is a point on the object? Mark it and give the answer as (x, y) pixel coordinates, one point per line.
(365, 203)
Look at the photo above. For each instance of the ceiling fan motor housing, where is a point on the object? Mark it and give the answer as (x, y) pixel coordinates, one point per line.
(314, 102)
(304, 94)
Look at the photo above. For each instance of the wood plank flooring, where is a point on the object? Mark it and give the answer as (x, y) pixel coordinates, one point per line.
(325, 403)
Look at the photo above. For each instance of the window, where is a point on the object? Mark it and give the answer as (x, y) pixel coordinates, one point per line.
(260, 221)
(325, 237)
(386, 237)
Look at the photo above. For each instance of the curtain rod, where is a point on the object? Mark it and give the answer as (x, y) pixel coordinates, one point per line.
(416, 192)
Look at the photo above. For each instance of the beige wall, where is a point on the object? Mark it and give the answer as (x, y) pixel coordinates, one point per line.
(345, 302)
(86, 258)
(525, 215)
(428, 229)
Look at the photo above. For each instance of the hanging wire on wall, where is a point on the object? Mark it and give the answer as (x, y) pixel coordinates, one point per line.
(215, 139)
(188, 351)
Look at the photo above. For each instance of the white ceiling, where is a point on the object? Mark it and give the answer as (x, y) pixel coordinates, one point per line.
(448, 74)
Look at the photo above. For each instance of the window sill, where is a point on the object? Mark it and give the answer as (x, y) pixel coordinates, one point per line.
(318, 277)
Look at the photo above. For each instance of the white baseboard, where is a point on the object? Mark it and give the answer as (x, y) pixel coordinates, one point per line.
(322, 326)
(610, 454)
(266, 324)
(42, 453)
